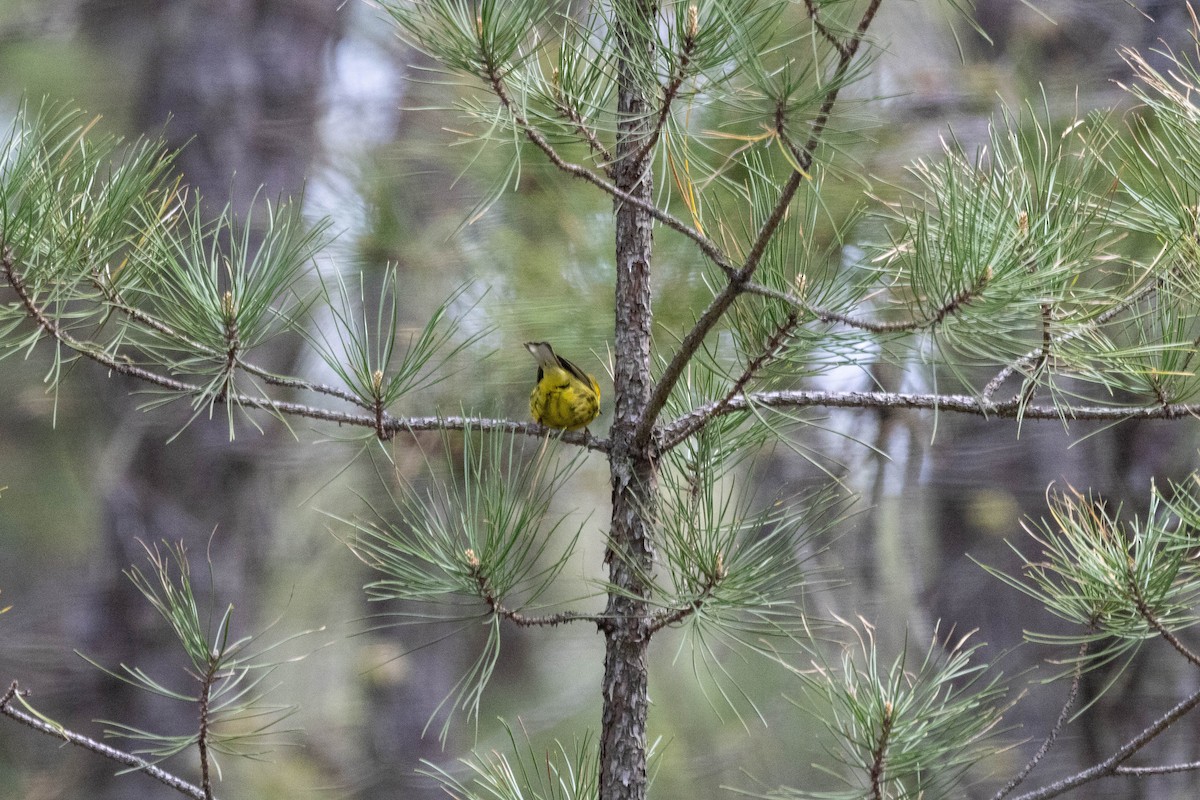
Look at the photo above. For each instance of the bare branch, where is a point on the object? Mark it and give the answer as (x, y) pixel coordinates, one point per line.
(516, 617)
(1112, 764)
(956, 403)
(87, 743)
(1163, 769)
(544, 620)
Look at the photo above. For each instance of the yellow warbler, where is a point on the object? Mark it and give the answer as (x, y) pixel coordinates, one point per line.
(565, 396)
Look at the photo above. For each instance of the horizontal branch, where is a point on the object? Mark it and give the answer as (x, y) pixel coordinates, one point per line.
(1162, 769)
(87, 743)
(383, 424)
(677, 430)
(516, 617)
(543, 620)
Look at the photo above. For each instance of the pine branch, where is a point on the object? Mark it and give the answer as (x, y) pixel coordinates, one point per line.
(930, 320)
(710, 249)
(768, 352)
(545, 620)
(879, 754)
(670, 616)
(1147, 613)
(589, 135)
(203, 731)
(814, 14)
(87, 743)
(1027, 361)
(671, 90)
(736, 286)
(114, 300)
(385, 425)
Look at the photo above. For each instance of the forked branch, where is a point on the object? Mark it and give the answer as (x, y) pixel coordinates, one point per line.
(79, 740)
(1113, 764)
(495, 79)
(738, 280)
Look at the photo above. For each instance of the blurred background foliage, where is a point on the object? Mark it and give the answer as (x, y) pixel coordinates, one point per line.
(318, 99)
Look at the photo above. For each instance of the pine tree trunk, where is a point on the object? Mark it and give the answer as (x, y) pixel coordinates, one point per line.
(631, 557)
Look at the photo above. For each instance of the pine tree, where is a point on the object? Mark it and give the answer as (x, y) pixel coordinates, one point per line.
(1025, 263)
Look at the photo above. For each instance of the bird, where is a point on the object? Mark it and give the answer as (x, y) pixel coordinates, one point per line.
(564, 396)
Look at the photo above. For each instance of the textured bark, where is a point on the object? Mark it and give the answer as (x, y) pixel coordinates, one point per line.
(631, 557)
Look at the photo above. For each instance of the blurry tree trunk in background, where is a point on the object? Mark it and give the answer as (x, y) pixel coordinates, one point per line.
(242, 83)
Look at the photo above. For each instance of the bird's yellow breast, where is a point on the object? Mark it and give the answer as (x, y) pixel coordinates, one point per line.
(561, 400)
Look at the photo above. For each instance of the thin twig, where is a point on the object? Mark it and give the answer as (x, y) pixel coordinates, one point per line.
(87, 743)
(203, 731)
(1054, 731)
(933, 318)
(516, 617)
(589, 135)
(544, 620)
(815, 15)
(879, 754)
(671, 90)
(670, 616)
(963, 404)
